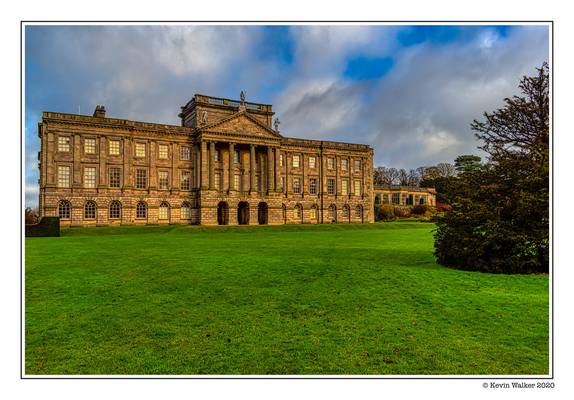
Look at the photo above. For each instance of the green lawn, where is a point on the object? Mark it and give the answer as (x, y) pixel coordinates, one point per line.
(358, 299)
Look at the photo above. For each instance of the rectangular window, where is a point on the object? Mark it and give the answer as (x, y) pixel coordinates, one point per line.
(185, 212)
(141, 178)
(344, 187)
(115, 177)
(282, 187)
(357, 165)
(185, 181)
(63, 176)
(162, 152)
(330, 186)
(312, 162)
(357, 188)
(296, 161)
(396, 198)
(163, 180)
(217, 155)
(236, 158)
(184, 153)
(296, 185)
(237, 182)
(330, 163)
(218, 181)
(280, 160)
(64, 143)
(90, 146)
(114, 147)
(89, 177)
(344, 164)
(140, 149)
(313, 186)
(385, 199)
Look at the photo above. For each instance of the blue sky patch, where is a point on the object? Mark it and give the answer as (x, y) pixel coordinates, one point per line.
(364, 68)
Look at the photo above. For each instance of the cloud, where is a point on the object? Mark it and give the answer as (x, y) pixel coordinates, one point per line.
(416, 113)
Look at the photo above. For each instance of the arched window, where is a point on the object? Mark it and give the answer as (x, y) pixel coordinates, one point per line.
(115, 210)
(90, 210)
(164, 211)
(378, 199)
(314, 212)
(345, 211)
(298, 211)
(185, 211)
(333, 213)
(358, 212)
(64, 209)
(141, 210)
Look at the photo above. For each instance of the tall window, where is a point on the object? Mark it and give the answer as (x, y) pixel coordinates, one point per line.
(218, 181)
(330, 186)
(344, 187)
(164, 211)
(89, 177)
(90, 145)
(330, 163)
(257, 183)
(63, 176)
(296, 185)
(357, 188)
(141, 178)
(114, 147)
(345, 212)
(312, 162)
(313, 186)
(185, 211)
(357, 165)
(115, 210)
(333, 213)
(163, 180)
(314, 212)
(141, 210)
(344, 164)
(282, 183)
(185, 181)
(280, 160)
(64, 143)
(90, 210)
(298, 211)
(396, 198)
(184, 153)
(115, 177)
(385, 198)
(236, 158)
(237, 181)
(296, 161)
(140, 149)
(358, 211)
(163, 151)
(64, 209)
(217, 155)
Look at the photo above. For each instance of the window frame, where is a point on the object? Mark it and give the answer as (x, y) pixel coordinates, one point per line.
(110, 153)
(119, 210)
(119, 177)
(138, 177)
(313, 185)
(163, 207)
(185, 153)
(161, 155)
(331, 187)
(185, 206)
(141, 205)
(185, 179)
(68, 144)
(67, 209)
(163, 182)
(68, 176)
(93, 209)
(295, 157)
(312, 162)
(297, 185)
(85, 146)
(139, 146)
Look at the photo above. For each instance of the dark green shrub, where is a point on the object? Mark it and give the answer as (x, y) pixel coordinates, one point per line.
(403, 211)
(419, 209)
(48, 226)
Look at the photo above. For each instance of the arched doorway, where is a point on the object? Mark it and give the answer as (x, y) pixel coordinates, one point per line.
(243, 213)
(262, 214)
(222, 213)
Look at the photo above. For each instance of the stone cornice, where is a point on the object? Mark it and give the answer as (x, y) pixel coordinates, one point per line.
(121, 124)
(311, 143)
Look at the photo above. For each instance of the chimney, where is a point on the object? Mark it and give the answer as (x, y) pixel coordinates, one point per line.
(100, 111)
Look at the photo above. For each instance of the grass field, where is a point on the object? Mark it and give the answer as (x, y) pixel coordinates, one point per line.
(358, 299)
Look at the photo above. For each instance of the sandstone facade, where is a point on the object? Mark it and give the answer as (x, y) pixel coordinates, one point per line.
(225, 164)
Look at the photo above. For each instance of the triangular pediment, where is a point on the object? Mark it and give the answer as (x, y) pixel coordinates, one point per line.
(241, 124)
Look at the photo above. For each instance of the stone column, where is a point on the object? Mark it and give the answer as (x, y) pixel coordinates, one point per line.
(204, 165)
(231, 167)
(252, 188)
(211, 165)
(270, 169)
(277, 169)
(76, 179)
(102, 181)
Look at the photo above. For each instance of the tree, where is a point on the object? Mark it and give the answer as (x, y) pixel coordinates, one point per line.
(467, 162)
(403, 177)
(31, 216)
(446, 170)
(499, 220)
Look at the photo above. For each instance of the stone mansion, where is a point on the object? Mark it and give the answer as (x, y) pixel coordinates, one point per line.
(226, 164)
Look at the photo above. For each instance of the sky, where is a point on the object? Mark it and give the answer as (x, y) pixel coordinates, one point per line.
(410, 92)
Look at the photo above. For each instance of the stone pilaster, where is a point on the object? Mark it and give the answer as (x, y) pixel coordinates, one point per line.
(270, 170)
(204, 165)
(277, 169)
